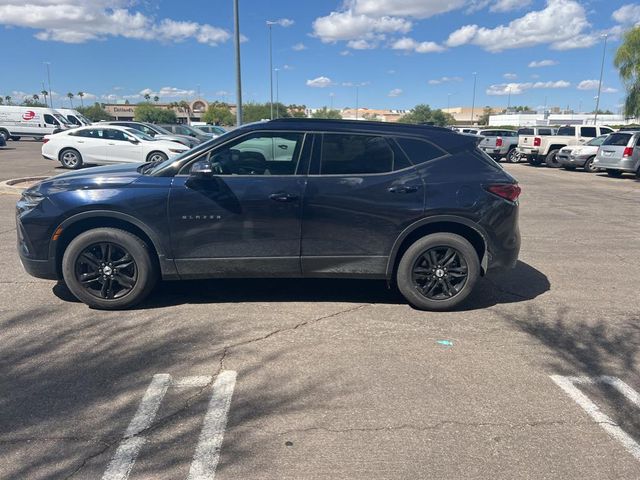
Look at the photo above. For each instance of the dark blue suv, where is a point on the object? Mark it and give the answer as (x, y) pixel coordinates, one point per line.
(419, 206)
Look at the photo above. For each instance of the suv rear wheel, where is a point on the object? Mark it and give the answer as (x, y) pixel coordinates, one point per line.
(512, 156)
(70, 158)
(438, 271)
(109, 269)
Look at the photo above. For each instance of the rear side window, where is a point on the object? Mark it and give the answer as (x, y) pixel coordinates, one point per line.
(618, 139)
(545, 131)
(589, 132)
(355, 155)
(604, 130)
(526, 131)
(489, 133)
(570, 131)
(419, 151)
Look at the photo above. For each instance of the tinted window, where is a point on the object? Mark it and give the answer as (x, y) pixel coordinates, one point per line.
(617, 139)
(115, 135)
(489, 133)
(570, 131)
(596, 142)
(545, 131)
(526, 131)
(589, 132)
(419, 151)
(73, 120)
(92, 133)
(259, 154)
(48, 119)
(355, 154)
(605, 130)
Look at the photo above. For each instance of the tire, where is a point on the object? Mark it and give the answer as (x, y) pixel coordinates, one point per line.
(614, 173)
(157, 157)
(95, 256)
(70, 158)
(419, 269)
(551, 159)
(5, 134)
(638, 173)
(16, 139)
(512, 156)
(588, 165)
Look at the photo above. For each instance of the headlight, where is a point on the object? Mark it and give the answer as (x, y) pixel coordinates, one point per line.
(29, 200)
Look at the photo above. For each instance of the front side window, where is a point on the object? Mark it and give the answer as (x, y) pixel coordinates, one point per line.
(112, 134)
(49, 120)
(258, 154)
(355, 155)
(589, 132)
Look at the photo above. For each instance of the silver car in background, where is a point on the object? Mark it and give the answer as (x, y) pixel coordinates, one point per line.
(156, 132)
(620, 153)
(581, 156)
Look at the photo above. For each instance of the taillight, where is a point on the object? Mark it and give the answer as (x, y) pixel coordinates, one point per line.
(537, 141)
(628, 151)
(498, 142)
(508, 191)
(45, 140)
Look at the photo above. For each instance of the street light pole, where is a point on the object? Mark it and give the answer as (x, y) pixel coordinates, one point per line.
(48, 64)
(236, 22)
(270, 24)
(473, 103)
(448, 102)
(604, 51)
(356, 102)
(277, 93)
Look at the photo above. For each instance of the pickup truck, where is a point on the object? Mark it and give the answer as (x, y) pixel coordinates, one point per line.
(540, 149)
(498, 144)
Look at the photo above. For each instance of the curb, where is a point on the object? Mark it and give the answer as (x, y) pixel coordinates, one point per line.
(9, 186)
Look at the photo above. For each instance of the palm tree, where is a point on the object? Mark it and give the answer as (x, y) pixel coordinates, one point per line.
(8, 99)
(147, 97)
(35, 97)
(70, 95)
(156, 98)
(184, 105)
(81, 94)
(627, 61)
(44, 94)
(1, 100)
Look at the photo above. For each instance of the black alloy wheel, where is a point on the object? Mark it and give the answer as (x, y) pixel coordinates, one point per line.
(440, 273)
(106, 270)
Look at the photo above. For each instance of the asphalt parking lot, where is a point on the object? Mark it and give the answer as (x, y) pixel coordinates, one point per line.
(535, 378)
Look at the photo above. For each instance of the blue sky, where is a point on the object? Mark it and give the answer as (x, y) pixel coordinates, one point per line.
(398, 52)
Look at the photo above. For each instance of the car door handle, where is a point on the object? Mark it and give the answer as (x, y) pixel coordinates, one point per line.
(403, 189)
(80, 141)
(110, 143)
(283, 197)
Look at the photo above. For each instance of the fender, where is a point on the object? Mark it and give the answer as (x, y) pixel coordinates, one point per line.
(166, 265)
(435, 219)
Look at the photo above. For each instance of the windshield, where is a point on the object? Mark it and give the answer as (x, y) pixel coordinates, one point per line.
(160, 130)
(141, 135)
(596, 142)
(84, 119)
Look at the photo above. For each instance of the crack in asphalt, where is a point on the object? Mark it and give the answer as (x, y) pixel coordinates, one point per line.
(187, 404)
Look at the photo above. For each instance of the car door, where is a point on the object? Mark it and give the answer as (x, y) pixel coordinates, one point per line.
(91, 143)
(120, 149)
(244, 218)
(361, 193)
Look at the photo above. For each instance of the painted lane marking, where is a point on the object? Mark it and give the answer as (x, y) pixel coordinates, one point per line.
(128, 450)
(207, 454)
(568, 384)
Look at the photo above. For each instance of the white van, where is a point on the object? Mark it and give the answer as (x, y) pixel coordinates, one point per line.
(74, 117)
(36, 122)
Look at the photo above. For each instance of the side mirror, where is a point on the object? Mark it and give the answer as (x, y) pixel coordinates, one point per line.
(133, 140)
(201, 168)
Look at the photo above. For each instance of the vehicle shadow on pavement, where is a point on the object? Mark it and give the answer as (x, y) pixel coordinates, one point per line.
(519, 284)
(69, 392)
(580, 347)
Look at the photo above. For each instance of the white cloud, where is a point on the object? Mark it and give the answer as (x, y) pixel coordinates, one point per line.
(409, 44)
(391, 72)
(508, 5)
(593, 85)
(167, 92)
(542, 63)
(346, 53)
(347, 25)
(283, 22)
(298, 47)
(510, 76)
(627, 14)
(320, 82)
(403, 8)
(396, 92)
(79, 21)
(562, 23)
(361, 44)
(355, 84)
(438, 81)
(520, 88)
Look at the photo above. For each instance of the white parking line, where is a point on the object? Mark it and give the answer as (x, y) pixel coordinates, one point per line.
(568, 384)
(207, 452)
(124, 458)
(205, 459)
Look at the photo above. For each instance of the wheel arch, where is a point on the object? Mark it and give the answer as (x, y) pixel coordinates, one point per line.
(85, 221)
(442, 223)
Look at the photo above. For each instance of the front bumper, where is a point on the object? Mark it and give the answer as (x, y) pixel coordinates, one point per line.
(39, 268)
(572, 161)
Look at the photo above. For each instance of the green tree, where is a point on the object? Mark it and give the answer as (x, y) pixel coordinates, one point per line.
(147, 97)
(81, 95)
(254, 112)
(31, 102)
(484, 118)
(70, 96)
(156, 98)
(95, 112)
(325, 112)
(627, 61)
(424, 114)
(218, 114)
(297, 111)
(44, 94)
(7, 99)
(146, 112)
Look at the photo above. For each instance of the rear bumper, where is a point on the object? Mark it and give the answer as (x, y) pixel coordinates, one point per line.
(625, 164)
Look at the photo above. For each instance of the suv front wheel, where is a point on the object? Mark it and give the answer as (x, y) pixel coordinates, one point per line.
(109, 269)
(438, 271)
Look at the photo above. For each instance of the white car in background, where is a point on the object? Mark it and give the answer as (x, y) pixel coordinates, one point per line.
(581, 156)
(100, 145)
